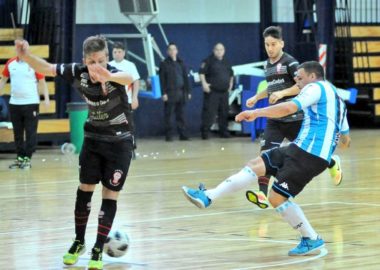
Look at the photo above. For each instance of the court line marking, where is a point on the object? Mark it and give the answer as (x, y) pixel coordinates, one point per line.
(187, 217)
(214, 239)
(44, 195)
(323, 253)
(48, 182)
(40, 182)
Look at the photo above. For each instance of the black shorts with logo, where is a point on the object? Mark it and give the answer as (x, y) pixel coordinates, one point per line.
(293, 168)
(275, 132)
(106, 162)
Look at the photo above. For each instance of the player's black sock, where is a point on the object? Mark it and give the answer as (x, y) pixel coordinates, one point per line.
(81, 212)
(106, 216)
(263, 183)
(332, 164)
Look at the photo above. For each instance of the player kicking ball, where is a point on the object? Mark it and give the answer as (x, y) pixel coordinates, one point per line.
(324, 126)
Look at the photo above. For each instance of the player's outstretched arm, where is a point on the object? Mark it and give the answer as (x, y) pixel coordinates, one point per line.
(101, 74)
(288, 92)
(37, 63)
(252, 101)
(275, 111)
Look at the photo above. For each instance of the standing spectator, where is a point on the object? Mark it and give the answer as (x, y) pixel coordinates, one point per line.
(26, 84)
(119, 62)
(217, 80)
(176, 91)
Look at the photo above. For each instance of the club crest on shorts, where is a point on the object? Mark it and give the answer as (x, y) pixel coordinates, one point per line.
(115, 180)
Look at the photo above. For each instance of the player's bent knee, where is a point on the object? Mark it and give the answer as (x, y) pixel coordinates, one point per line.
(276, 199)
(87, 187)
(257, 165)
(110, 194)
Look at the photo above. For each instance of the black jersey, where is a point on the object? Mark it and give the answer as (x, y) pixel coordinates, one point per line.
(280, 75)
(107, 117)
(218, 73)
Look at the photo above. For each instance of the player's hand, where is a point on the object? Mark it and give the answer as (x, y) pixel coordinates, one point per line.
(206, 87)
(251, 102)
(47, 103)
(22, 48)
(248, 116)
(135, 103)
(99, 73)
(165, 97)
(344, 142)
(274, 97)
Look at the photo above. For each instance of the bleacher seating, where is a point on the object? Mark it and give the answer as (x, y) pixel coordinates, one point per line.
(366, 70)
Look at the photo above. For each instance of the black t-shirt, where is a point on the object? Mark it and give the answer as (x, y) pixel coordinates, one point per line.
(108, 114)
(280, 75)
(217, 72)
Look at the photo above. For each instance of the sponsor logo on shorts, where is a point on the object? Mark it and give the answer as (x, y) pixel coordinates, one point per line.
(115, 181)
(284, 185)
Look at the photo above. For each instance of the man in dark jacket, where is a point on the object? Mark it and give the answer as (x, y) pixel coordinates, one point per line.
(217, 80)
(175, 89)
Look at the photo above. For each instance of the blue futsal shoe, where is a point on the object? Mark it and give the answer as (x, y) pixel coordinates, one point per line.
(307, 246)
(197, 196)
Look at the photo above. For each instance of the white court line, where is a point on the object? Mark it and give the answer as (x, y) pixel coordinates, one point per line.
(187, 217)
(44, 195)
(213, 239)
(323, 253)
(192, 239)
(49, 182)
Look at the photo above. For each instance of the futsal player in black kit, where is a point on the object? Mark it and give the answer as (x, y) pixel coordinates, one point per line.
(108, 143)
(280, 73)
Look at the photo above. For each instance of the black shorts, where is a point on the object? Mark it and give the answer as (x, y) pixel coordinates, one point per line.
(276, 131)
(106, 162)
(292, 167)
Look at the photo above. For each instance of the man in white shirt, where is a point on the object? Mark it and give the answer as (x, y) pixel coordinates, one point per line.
(118, 54)
(26, 86)
(119, 62)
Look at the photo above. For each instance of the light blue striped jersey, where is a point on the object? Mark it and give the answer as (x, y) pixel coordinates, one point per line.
(324, 119)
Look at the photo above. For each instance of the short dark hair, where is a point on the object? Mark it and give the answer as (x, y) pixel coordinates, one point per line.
(118, 45)
(273, 31)
(313, 67)
(172, 44)
(94, 44)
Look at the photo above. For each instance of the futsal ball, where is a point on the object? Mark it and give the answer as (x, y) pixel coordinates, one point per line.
(117, 244)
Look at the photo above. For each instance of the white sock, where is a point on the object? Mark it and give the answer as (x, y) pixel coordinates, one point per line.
(235, 182)
(293, 214)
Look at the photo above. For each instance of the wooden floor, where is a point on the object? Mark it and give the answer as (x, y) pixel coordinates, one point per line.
(167, 232)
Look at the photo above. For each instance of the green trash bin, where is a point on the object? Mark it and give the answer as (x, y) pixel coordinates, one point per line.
(78, 112)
